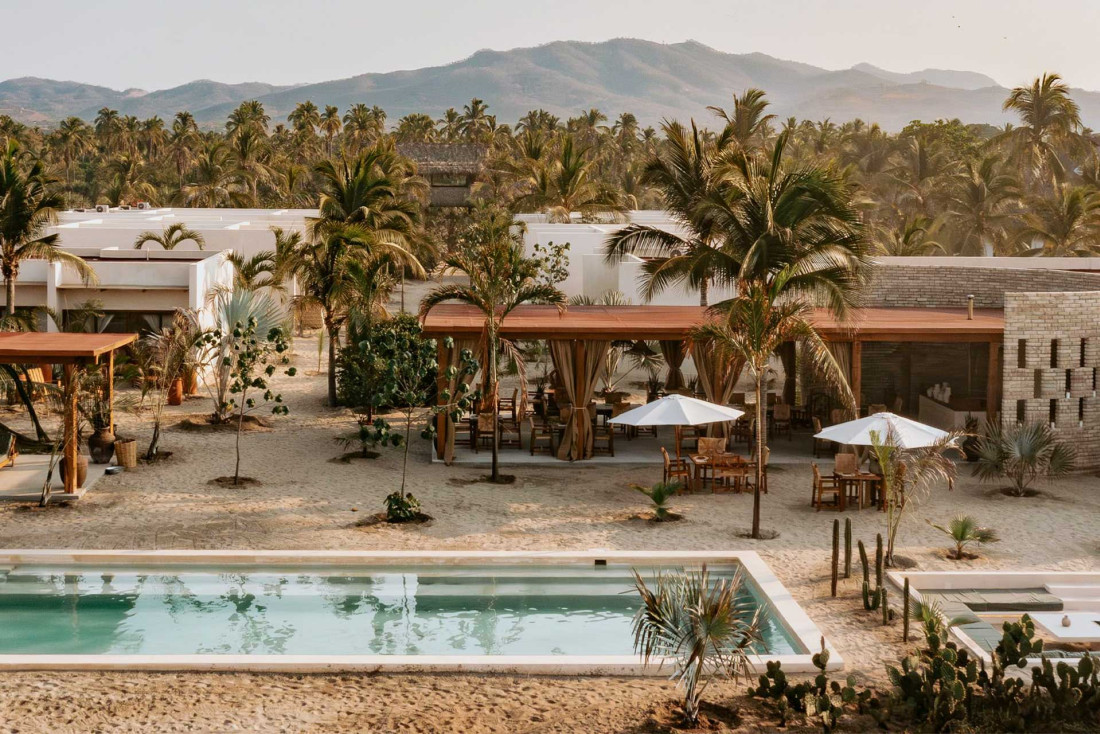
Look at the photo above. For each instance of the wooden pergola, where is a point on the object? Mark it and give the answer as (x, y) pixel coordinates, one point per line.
(936, 325)
(72, 351)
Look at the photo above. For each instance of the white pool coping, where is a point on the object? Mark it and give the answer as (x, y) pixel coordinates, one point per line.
(963, 580)
(787, 612)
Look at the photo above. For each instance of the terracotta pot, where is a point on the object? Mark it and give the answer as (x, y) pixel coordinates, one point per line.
(175, 392)
(101, 446)
(47, 373)
(81, 469)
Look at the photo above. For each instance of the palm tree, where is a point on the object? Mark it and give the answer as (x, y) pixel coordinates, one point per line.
(490, 255)
(474, 124)
(1022, 452)
(415, 128)
(708, 627)
(363, 125)
(215, 182)
(108, 126)
(248, 116)
(751, 329)
(73, 140)
(28, 205)
(981, 205)
(1049, 124)
(305, 118)
(171, 236)
(450, 125)
(964, 530)
(1065, 224)
(747, 124)
(330, 126)
(684, 173)
(568, 184)
(915, 237)
(255, 272)
(182, 142)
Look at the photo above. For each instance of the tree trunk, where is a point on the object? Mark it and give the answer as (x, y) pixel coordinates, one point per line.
(240, 425)
(9, 289)
(491, 388)
(21, 387)
(761, 434)
(405, 460)
(704, 292)
(333, 335)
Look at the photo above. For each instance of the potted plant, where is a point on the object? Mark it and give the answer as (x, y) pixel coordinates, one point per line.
(95, 408)
(175, 392)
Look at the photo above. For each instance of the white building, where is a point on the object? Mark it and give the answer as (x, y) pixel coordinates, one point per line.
(140, 289)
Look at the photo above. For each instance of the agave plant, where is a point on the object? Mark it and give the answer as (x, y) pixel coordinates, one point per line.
(707, 629)
(1022, 453)
(659, 494)
(964, 530)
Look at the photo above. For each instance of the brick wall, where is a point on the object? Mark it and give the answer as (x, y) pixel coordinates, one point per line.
(1060, 336)
(941, 286)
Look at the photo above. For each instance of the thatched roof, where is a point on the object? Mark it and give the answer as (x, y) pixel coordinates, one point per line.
(445, 157)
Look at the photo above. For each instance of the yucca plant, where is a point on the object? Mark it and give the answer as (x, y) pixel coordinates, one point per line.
(707, 629)
(1022, 453)
(659, 494)
(964, 530)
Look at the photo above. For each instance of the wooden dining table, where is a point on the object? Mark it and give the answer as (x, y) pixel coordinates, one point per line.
(864, 484)
(704, 464)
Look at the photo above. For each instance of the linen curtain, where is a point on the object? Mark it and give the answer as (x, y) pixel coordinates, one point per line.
(673, 352)
(580, 366)
(445, 434)
(718, 375)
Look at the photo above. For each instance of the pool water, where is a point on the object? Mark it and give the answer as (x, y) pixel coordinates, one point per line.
(406, 610)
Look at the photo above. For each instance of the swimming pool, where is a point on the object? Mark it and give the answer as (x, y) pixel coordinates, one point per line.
(404, 610)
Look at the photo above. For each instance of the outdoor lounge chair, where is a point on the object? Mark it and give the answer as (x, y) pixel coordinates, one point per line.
(825, 487)
(675, 470)
(9, 455)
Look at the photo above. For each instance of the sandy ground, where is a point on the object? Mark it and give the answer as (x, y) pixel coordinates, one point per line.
(308, 501)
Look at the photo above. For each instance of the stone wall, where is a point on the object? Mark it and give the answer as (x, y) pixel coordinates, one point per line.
(931, 286)
(1051, 360)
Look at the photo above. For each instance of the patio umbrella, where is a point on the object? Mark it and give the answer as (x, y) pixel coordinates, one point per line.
(677, 410)
(910, 434)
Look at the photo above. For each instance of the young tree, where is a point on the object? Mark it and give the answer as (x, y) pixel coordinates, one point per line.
(252, 360)
(1022, 453)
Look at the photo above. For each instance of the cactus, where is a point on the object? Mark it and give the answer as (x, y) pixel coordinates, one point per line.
(871, 599)
(836, 554)
(905, 612)
(879, 564)
(885, 607)
(847, 547)
(821, 699)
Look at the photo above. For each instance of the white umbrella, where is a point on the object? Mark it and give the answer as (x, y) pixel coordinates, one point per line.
(677, 410)
(909, 434)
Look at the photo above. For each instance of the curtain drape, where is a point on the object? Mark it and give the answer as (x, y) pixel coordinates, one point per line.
(673, 352)
(718, 375)
(580, 366)
(842, 353)
(445, 435)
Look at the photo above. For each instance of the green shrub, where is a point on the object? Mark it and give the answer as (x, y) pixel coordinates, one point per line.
(360, 366)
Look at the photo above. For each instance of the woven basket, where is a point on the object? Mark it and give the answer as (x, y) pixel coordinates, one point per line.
(126, 452)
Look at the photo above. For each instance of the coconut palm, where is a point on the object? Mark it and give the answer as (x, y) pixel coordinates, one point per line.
(108, 127)
(72, 139)
(305, 117)
(1049, 124)
(1064, 224)
(566, 184)
(708, 627)
(248, 116)
(415, 128)
(330, 125)
(964, 530)
(450, 125)
(684, 173)
(500, 278)
(747, 124)
(364, 125)
(750, 330)
(915, 236)
(170, 236)
(182, 142)
(28, 205)
(215, 181)
(474, 123)
(981, 205)
(1022, 453)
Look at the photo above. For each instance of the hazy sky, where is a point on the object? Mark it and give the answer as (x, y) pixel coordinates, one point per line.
(154, 44)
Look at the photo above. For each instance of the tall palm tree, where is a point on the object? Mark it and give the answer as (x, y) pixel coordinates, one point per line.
(363, 125)
(981, 205)
(415, 127)
(747, 123)
(752, 328)
(248, 116)
(914, 237)
(72, 140)
(215, 181)
(28, 205)
(171, 236)
(474, 124)
(251, 159)
(500, 278)
(182, 142)
(684, 173)
(108, 126)
(331, 125)
(1065, 224)
(1049, 125)
(305, 117)
(568, 183)
(450, 125)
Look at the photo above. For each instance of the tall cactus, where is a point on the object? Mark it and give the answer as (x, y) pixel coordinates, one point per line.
(905, 613)
(847, 547)
(871, 599)
(836, 554)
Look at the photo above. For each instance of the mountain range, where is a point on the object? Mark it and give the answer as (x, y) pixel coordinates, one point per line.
(652, 80)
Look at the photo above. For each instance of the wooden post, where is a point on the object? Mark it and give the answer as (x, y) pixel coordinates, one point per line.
(441, 357)
(857, 373)
(580, 431)
(993, 383)
(70, 447)
(110, 390)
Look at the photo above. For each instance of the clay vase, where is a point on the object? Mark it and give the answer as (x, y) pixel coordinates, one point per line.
(101, 446)
(81, 469)
(190, 382)
(175, 392)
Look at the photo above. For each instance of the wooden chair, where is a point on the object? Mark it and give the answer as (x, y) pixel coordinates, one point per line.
(603, 439)
(711, 446)
(488, 430)
(741, 432)
(685, 435)
(819, 442)
(845, 463)
(731, 472)
(464, 432)
(836, 415)
(897, 405)
(781, 420)
(876, 408)
(738, 398)
(675, 469)
(9, 455)
(542, 437)
(506, 407)
(823, 487)
(509, 433)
